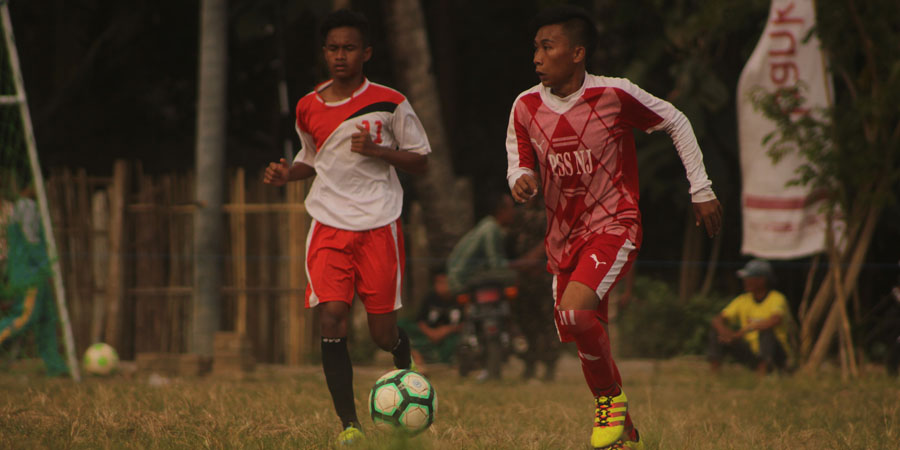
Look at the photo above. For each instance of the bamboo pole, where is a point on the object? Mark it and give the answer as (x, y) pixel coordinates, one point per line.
(847, 343)
(807, 288)
(100, 260)
(115, 278)
(31, 144)
(85, 274)
(69, 241)
(296, 325)
(854, 265)
(145, 330)
(267, 275)
(239, 250)
(164, 228)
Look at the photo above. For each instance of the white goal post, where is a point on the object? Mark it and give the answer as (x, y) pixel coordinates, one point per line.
(19, 98)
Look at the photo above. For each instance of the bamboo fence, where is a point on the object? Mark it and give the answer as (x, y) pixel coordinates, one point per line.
(126, 251)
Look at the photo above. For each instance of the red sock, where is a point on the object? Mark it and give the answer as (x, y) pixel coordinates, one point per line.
(629, 425)
(600, 371)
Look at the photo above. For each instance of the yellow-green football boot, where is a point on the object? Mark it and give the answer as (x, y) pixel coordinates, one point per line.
(351, 435)
(609, 419)
(625, 443)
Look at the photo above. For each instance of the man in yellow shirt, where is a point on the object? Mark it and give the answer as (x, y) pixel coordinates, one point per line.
(761, 317)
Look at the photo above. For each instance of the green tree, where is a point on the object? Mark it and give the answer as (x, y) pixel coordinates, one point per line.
(852, 149)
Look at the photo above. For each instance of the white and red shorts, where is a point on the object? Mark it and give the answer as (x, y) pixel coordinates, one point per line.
(369, 262)
(601, 263)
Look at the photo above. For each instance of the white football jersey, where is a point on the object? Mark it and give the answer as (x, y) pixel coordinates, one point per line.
(353, 191)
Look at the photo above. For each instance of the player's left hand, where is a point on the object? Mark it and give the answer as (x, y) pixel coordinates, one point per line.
(361, 142)
(710, 215)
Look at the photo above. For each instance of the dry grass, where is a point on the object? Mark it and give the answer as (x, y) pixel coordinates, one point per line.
(676, 405)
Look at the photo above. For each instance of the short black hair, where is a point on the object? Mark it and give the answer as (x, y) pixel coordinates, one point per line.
(346, 18)
(579, 25)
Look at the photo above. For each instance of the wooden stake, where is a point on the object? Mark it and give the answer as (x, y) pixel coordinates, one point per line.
(100, 250)
(115, 279)
(296, 326)
(239, 250)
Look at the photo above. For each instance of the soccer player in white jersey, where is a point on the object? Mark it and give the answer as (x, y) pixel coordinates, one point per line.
(573, 131)
(354, 134)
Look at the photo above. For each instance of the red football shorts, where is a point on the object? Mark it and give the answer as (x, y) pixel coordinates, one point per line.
(369, 263)
(601, 263)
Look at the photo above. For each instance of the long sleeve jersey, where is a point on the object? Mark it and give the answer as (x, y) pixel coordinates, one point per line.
(584, 148)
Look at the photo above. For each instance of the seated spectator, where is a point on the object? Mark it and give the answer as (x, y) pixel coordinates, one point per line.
(754, 326)
(480, 255)
(434, 334)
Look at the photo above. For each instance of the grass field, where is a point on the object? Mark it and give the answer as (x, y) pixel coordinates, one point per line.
(676, 404)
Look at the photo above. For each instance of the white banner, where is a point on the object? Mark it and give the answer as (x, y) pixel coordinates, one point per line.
(780, 222)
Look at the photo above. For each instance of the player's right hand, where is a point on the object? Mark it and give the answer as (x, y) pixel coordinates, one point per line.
(525, 188)
(277, 173)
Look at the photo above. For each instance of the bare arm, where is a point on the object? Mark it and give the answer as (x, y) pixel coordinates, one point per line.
(414, 163)
(726, 334)
(279, 173)
(773, 321)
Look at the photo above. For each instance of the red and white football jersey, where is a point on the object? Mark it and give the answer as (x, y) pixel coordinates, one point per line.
(584, 147)
(353, 191)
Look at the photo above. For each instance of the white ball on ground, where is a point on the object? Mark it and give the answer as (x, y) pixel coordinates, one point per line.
(100, 359)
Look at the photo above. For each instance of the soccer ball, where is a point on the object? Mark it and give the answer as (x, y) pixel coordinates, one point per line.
(100, 359)
(404, 400)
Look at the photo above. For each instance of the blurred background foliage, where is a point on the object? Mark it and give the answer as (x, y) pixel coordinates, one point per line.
(659, 326)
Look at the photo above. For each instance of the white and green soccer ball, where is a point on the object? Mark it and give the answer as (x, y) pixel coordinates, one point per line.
(100, 359)
(403, 399)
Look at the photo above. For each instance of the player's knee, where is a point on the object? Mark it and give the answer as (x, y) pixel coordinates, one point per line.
(576, 322)
(385, 339)
(333, 323)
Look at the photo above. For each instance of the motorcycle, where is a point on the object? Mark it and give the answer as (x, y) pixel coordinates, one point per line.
(485, 340)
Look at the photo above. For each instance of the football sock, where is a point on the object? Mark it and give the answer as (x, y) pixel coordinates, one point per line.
(593, 350)
(402, 358)
(339, 377)
(628, 423)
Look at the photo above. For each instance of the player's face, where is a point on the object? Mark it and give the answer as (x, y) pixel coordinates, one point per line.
(555, 58)
(755, 285)
(345, 53)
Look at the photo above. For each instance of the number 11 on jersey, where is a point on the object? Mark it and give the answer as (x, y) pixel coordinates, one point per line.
(366, 124)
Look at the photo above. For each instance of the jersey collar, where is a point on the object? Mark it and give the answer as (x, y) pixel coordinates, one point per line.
(562, 104)
(365, 85)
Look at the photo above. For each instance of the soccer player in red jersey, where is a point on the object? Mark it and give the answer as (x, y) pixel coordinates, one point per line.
(354, 134)
(574, 131)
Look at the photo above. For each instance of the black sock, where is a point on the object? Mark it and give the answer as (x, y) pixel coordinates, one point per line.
(339, 377)
(402, 359)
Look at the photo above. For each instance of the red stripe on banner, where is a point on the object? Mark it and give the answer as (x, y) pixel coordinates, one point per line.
(761, 202)
(774, 203)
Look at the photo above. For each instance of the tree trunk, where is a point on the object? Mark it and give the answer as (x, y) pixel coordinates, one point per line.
(711, 266)
(210, 156)
(447, 214)
(691, 253)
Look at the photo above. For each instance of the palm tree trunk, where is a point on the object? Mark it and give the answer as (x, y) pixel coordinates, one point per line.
(447, 214)
(210, 156)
